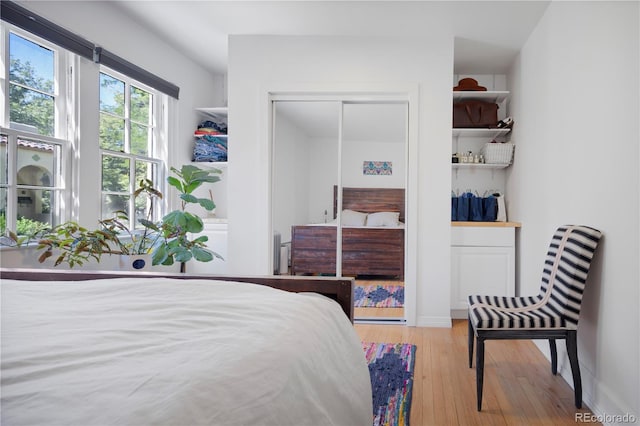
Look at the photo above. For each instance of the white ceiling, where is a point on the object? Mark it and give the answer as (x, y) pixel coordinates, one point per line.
(488, 33)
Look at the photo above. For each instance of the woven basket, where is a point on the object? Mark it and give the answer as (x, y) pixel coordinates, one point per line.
(498, 153)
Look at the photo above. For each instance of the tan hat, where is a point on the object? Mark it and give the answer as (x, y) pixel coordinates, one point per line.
(469, 84)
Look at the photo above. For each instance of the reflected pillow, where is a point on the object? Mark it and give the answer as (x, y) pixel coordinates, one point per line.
(383, 219)
(353, 218)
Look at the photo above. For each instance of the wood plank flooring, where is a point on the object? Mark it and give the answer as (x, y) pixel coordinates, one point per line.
(519, 388)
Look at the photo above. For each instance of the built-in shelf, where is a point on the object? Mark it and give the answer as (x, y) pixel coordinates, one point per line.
(477, 133)
(495, 96)
(211, 164)
(214, 112)
(479, 166)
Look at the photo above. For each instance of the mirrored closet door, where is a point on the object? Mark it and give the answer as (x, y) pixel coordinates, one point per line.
(338, 196)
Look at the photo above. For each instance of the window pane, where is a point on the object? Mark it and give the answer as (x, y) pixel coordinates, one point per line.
(143, 204)
(37, 162)
(35, 210)
(4, 161)
(31, 64)
(112, 203)
(31, 89)
(34, 111)
(146, 170)
(140, 139)
(115, 174)
(111, 133)
(111, 95)
(140, 105)
(3, 210)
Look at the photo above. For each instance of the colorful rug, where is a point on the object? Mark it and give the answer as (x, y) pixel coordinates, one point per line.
(391, 367)
(378, 296)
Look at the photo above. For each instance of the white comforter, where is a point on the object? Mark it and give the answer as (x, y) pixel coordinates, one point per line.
(172, 352)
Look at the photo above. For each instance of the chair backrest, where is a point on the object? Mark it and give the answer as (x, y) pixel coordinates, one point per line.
(566, 269)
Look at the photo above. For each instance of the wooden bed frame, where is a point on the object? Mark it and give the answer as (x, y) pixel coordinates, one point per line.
(365, 251)
(338, 289)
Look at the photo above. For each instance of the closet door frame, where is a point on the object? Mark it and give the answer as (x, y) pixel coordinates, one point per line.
(401, 93)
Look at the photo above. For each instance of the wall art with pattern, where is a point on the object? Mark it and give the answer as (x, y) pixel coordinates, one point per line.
(377, 168)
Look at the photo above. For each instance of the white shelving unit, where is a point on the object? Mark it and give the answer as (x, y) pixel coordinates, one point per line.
(477, 136)
(482, 253)
(495, 96)
(479, 166)
(480, 133)
(214, 114)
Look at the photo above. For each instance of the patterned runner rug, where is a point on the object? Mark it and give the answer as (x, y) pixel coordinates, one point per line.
(391, 367)
(378, 296)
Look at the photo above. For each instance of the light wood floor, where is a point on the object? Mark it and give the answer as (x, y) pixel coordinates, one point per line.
(519, 388)
(360, 313)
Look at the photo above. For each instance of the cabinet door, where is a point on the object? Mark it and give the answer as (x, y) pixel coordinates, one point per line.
(217, 243)
(481, 270)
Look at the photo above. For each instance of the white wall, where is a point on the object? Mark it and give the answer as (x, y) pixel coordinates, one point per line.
(576, 106)
(291, 172)
(354, 154)
(258, 64)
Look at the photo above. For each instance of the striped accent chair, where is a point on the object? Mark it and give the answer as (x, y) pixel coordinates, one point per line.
(553, 314)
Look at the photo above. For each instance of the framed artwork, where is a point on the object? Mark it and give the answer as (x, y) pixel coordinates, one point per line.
(377, 168)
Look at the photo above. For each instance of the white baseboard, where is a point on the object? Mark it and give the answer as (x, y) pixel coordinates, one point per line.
(605, 405)
(434, 322)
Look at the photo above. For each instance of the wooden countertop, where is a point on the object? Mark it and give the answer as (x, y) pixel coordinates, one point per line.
(488, 224)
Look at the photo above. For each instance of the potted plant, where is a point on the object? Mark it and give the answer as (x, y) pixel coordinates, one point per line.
(175, 228)
(172, 239)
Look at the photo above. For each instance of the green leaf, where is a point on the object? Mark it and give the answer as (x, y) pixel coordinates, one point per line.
(207, 203)
(175, 183)
(201, 239)
(191, 186)
(182, 255)
(202, 255)
(210, 179)
(159, 255)
(176, 218)
(149, 224)
(194, 223)
(188, 198)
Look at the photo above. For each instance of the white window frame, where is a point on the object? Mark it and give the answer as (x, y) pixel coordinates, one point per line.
(158, 150)
(63, 132)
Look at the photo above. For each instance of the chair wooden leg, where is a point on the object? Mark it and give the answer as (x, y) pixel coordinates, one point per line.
(479, 369)
(554, 356)
(470, 343)
(572, 351)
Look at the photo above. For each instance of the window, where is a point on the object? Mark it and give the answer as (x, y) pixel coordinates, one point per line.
(32, 144)
(48, 173)
(128, 138)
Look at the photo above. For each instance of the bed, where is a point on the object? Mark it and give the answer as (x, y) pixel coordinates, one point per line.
(366, 250)
(116, 348)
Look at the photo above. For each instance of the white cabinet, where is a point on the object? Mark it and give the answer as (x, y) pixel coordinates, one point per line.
(482, 262)
(216, 231)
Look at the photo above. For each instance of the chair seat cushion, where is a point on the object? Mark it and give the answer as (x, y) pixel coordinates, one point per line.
(490, 313)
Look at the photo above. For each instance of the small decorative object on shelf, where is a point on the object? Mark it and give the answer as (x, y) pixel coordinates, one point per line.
(498, 153)
(469, 85)
(506, 123)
